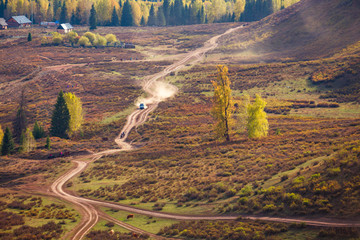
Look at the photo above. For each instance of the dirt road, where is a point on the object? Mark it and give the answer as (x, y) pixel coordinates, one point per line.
(136, 118)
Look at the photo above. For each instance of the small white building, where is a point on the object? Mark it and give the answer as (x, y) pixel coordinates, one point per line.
(3, 24)
(65, 28)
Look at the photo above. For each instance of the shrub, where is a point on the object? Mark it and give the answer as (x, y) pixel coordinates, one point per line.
(45, 40)
(269, 208)
(91, 36)
(110, 38)
(57, 40)
(72, 37)
(84, 41)
(100, 41)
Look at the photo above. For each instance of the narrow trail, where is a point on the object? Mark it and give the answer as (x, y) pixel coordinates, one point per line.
(87, 206)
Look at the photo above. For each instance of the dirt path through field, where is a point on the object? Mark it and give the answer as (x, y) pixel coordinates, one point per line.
(156, 94)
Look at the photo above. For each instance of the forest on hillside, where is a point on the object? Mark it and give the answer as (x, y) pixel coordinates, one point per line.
(141, 13)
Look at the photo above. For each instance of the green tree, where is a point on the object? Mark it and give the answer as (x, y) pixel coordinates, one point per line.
(61, 118)
(92, 19)
(20, 121)
(38, 131)
(48, 144)
(257, 123)
(126, 16)
(29, 38)
(114, 18)
(64, 14)
(27, 142)
(160, 18)
(152, 16)
(7, 146)
(74, 105)
(166, 10)
(179, 12)
(142, 22)
(222, 108)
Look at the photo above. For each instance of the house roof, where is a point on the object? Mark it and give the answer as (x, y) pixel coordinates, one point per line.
(3, 22)
(21, 19)
(65, 26)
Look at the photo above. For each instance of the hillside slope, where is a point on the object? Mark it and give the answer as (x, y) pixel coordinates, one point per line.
(309, 29)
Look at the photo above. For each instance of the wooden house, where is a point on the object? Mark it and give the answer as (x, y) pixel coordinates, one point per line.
(3, 24)
(18, 22)
(65, 28)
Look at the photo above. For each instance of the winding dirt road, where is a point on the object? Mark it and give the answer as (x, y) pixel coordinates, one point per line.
(88, 207)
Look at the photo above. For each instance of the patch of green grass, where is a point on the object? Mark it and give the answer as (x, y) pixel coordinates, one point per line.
(149, 224)
(100, 225)
(118, 116)
(298, 234)
(276, 179)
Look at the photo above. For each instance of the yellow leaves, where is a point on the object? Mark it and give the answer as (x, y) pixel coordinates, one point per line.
(110, 38)
(74, 105)
(257, 125)
(1, 135)
(223, 106)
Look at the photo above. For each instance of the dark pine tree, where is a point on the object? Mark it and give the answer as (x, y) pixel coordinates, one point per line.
(20, 121)
(38, 131)
(232, 17)
(202, 13)
(64, 14)
(57, 4)
(187, 13)
(171, 16)
(92, 19)
(160, 17)
(2, 8)
(120, 3)
(142, 22)
(73, 19)
(60, 118)
(114, 18)
(166, 10)
(7, 143)
(152, 16)
(126, 16)
(29, 37)
(179, 12)
(47, 145)
(77, 16)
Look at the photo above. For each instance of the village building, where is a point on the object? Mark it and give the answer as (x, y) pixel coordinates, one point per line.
(18, 22)
(49, 24)
(65, 28)
(3, 24)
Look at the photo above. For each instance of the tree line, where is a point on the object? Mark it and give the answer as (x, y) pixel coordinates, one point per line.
(67, 119)
(142, 13)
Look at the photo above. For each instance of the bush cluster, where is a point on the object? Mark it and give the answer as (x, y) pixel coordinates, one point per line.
(89, 39)
(223, 230)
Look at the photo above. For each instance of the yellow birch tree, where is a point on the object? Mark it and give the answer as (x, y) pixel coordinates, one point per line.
(74, 105)
(257, 123)
(1, 135)
(223, 107)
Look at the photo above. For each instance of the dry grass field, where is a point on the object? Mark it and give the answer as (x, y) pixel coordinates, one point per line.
(307, 166)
